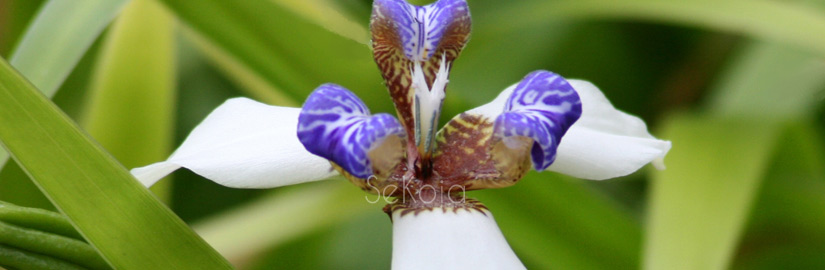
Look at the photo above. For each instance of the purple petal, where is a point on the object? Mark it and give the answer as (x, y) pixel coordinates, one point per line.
(335, 124)
(403, 34)
(421, 30)
(542, 107)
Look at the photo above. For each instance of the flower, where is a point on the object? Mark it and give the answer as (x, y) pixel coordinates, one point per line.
(544, 122)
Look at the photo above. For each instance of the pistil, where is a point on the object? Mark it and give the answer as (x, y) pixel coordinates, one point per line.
(427, 109)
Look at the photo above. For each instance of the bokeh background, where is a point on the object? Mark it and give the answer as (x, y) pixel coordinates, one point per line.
(737, 86)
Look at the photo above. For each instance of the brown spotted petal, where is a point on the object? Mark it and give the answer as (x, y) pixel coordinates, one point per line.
(405, 34)
(494, 147)
(469, 157)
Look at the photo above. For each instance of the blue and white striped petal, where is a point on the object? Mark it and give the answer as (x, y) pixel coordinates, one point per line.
(336, 125)
(424, 39)
(423, 29)
(492, 146)
(542, 107)
(604, 143)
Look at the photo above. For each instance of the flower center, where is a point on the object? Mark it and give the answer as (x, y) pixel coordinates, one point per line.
(427, 106)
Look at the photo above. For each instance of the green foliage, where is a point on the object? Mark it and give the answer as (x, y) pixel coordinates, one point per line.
(789, 23)
(32, 236)
(131, 106)
(698, 206)
(74, 26)
(79, 177)
(736, 85)
(555, 222)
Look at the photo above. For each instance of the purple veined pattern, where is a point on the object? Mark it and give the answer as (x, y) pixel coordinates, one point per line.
(421, 28)
(405, 35)
(542, 107)
(335, 124)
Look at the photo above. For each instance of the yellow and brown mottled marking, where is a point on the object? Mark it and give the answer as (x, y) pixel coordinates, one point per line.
(395, 67)
(453, 204)
(467, 155)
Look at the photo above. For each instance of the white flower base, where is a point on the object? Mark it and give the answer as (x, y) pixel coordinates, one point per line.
(461, 238)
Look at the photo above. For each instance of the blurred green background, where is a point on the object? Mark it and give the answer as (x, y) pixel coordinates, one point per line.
(737, 86)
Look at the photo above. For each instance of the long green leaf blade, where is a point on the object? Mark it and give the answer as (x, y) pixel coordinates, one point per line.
(790, 203)
(74, 26)
(56, 40)
(118, 216)
(275, 219)
(778, 21)
(21, 259)
(557, 223)
(57, 246)
(750, 86)
(132, 99)
(699, 204)
(325, 13)
(290, 53)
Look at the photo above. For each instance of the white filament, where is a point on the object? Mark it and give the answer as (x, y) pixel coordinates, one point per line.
(428, 102)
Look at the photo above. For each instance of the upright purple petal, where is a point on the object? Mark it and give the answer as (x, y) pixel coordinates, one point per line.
(542, 107)
(335, 124)
(421, 30)
(403, 34)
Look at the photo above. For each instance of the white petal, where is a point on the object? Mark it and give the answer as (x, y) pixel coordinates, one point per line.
(244, 144)
(604, 143)
(438, 239)
(149, 175)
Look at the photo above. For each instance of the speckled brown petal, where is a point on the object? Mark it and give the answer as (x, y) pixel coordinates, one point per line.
(467, 155)
(403, 34)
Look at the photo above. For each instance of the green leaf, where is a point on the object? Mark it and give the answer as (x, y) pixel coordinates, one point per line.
(15, 16)
(240, 73)
(21, 259)
(17, 188)
(56, 246)
(706, 231)
(787, 228)
(769, 81)
(556, 222)
(699, 204)
(286, 215)
(132, 101)
(74, 25)
(778, 21)
(117, 215)
(291, 54)
(38, 219)
(326, 13)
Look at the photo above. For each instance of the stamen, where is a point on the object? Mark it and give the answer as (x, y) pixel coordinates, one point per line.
(427, 104)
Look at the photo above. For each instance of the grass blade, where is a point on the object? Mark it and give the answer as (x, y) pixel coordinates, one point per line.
(21, 259)
(247, 231)
(553, 222)
(74, 25)
(118, 216)
(749, 87)
(133, 92)
(56, 246)
(782, 22)
(325, 13)
(699, 205)
(286, 50)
